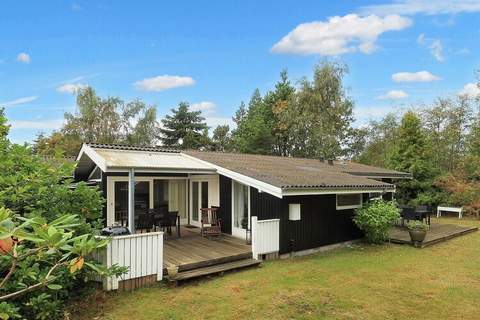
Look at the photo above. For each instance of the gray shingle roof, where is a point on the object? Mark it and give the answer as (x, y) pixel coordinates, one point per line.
(300, 173)
(286, 172)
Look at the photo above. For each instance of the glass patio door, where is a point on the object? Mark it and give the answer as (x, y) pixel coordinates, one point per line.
(240, 212)
(199, 199)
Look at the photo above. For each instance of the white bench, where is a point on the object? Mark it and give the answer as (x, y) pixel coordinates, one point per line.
(450, 209)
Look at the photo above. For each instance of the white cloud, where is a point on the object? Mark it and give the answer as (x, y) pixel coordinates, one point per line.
(393, 95)
(470, 90)
(40, 125)
(421, 39)
(18, 101)
(427, 7)
(204, 106)
(435, 46)
(420, 76)
(213, 122)
(436, 49)
(164, 82)
(23, 57)
(71, 88)
(339, 35)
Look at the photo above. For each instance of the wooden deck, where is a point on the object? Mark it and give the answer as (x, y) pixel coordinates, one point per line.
(192, 251)
(438, 232)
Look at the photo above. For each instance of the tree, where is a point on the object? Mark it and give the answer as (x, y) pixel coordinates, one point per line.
(411, 154)
(321, 114)
(381, 137)
(184, 129)
(254, 131)
(102, 120)
(221, 139)
(447, 123)
(279, 101)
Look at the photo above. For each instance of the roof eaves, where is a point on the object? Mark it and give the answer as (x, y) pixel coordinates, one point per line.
(340, 186)
(130, 147)
(381, 174)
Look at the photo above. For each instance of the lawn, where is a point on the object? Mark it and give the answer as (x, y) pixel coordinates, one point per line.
(358, 282)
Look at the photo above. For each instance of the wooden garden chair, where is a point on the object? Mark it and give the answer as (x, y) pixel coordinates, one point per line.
(211, 224)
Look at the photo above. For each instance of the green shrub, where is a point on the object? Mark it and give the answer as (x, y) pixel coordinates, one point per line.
(35, 197)
(376, 218)
(417, 225)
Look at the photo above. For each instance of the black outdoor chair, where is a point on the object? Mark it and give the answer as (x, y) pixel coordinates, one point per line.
(408, 213)
(145, 222)
(158, 214)
(168, 220)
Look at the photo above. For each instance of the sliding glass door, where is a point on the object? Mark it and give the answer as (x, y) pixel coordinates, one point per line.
(240, 212)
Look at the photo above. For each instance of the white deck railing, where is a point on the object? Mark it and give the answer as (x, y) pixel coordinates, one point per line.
(142, 253)
(265, 236)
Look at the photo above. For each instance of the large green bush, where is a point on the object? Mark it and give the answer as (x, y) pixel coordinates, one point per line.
(376, 218)
(34, 195)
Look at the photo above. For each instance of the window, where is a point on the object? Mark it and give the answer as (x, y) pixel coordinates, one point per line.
(294, 212)
(160, 193)
(142, 196)
(349, 201)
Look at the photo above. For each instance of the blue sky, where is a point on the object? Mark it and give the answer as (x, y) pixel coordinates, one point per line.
(215, 53)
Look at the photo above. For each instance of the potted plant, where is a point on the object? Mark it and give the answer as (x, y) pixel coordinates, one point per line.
(418, 231)
(172, 272)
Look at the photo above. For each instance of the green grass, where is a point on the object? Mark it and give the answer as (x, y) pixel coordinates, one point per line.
(358, 282)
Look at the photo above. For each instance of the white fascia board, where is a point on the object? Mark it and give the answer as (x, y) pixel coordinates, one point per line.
(326, 191)
(260, 185)
(160, 170)
(94, 156)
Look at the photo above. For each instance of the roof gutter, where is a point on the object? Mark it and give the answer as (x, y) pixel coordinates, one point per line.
(303, 192)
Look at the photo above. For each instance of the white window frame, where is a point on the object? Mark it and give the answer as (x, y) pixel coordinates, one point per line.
(239, 232)
(350, 206)
(111, 191)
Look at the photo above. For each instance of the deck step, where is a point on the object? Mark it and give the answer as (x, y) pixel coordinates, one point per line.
(218, 268)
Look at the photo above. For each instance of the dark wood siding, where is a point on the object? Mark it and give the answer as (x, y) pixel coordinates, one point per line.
(321, 224)
(226, 204)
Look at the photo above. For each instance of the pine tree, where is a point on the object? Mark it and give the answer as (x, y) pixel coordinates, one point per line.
(184, 129)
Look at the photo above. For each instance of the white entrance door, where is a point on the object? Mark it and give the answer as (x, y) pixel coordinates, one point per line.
(240, 209)
(199, 200)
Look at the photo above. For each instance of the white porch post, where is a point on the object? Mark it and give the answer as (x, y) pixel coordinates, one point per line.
(253, 236)
(131, 200)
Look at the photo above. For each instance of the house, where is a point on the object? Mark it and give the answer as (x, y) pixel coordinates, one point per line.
(313, 200)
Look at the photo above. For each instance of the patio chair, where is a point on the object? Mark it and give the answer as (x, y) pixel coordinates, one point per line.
(211, 224)
(158, 214)
(169, 220)
(145, 222)
(408, 213)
